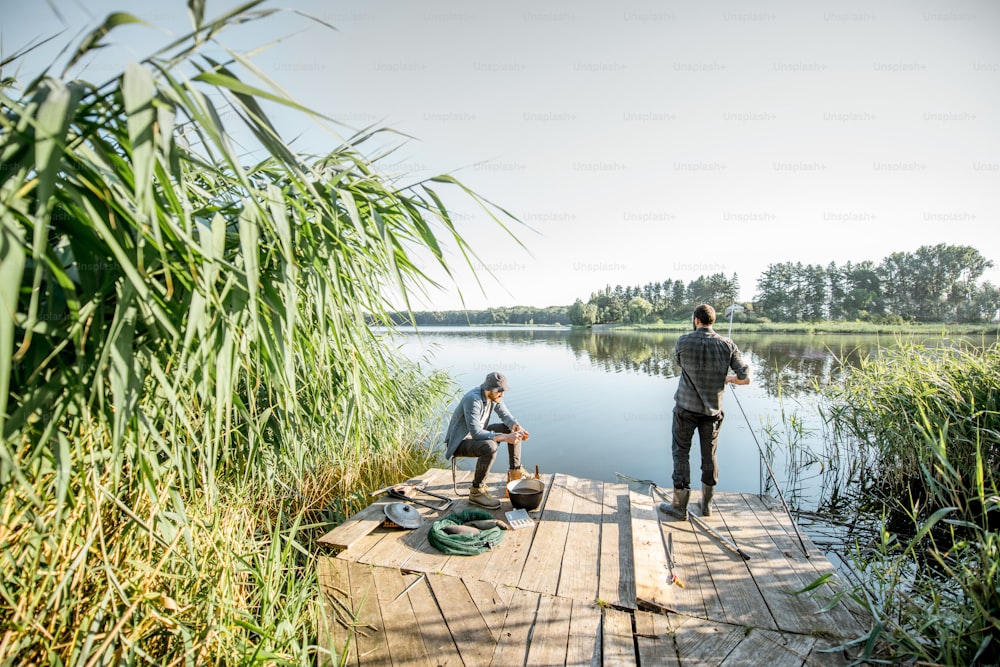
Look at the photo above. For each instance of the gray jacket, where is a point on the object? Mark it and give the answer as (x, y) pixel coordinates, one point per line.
(467, 420)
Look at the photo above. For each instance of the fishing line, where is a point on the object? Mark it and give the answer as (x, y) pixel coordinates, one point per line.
(760, 451)
(770, 472)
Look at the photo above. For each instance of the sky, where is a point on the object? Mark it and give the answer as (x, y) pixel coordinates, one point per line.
(634, 141)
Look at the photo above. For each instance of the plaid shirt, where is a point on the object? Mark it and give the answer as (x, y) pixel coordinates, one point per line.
(705, 358)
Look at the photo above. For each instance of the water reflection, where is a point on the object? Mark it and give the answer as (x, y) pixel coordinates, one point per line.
(599, 403)
(782, 365)
(787, 365)
(601, 400)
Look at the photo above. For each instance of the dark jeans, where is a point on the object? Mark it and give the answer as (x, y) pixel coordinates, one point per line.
(486, 452)
(685, 424)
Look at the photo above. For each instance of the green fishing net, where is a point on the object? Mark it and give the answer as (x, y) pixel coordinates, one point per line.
(464, 545)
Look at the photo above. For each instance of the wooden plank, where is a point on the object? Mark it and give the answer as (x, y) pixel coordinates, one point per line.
(550, 635)
(736, 598)
(775, 573)
(364, 522)
(542, 567)
(654, 638)
(584, 649)
(820, 655)
(398, 618)
(652, 585)
(506, 563)
(492, 602)
(703, 642)
(397, 545)
(698, 597)
(371, 643)
(845, 616)
(432, 627)
(774, 649)
(467, 626)
(581, 559)
(355, 527)
(336, 612)
(700, 561)
(512, 649)
(616, 639)
(396, 550)
(617, 571)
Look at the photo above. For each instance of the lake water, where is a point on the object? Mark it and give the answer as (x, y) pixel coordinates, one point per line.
(599, 402)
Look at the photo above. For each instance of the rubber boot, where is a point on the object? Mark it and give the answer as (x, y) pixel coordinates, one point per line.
(679, 507)
(707, 491)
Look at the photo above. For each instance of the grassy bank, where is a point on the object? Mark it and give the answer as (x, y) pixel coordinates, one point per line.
(926, 424)
(193, 392)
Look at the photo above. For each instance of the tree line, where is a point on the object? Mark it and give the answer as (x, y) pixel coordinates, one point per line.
(939, 283)
(936, 283)
(663, 301)
(526, 315)
(932, 284)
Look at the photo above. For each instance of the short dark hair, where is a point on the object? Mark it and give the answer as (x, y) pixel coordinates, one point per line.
(705, 314)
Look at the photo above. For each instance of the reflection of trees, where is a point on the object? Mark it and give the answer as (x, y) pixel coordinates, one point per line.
(794, 366)
(786, 364)
(520, 336)
(789, 365)
(650, 354)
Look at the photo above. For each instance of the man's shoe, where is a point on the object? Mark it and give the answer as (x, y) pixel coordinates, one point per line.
(678, 507)
(518, 473)
(706, 499)
(480, 495)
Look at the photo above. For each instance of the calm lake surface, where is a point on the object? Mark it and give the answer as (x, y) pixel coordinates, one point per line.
(599, 402)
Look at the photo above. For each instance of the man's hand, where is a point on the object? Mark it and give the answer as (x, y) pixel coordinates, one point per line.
(516, 434)
(732, 379)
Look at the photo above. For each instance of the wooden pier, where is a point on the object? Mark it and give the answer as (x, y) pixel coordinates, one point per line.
(588, 584)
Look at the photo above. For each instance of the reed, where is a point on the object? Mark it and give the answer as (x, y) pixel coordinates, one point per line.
(911, 403)
(926, 421)
(192, 392)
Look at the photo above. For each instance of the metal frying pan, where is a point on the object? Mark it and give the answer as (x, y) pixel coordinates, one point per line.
(403, 515)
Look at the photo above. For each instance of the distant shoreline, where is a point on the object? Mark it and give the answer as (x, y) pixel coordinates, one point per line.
(790, 328)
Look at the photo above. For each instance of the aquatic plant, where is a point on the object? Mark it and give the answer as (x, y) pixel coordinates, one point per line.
(929, 419)
(894, 403)
(191, 389)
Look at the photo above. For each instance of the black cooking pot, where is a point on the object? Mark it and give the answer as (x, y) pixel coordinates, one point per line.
(526, 493)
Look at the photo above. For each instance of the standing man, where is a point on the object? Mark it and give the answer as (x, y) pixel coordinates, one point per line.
(705, 359)
(471, 434)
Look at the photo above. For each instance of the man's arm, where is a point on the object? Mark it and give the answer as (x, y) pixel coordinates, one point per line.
(739, 367)
(507, 418)
(474, 410)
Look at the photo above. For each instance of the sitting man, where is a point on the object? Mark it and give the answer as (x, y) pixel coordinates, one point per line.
(471, 434)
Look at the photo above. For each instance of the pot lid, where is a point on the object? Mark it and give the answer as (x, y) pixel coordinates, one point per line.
(403, 515)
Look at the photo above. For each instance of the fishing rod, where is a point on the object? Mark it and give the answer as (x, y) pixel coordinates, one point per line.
(760, 450)
(653, 486)
(728, 543)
